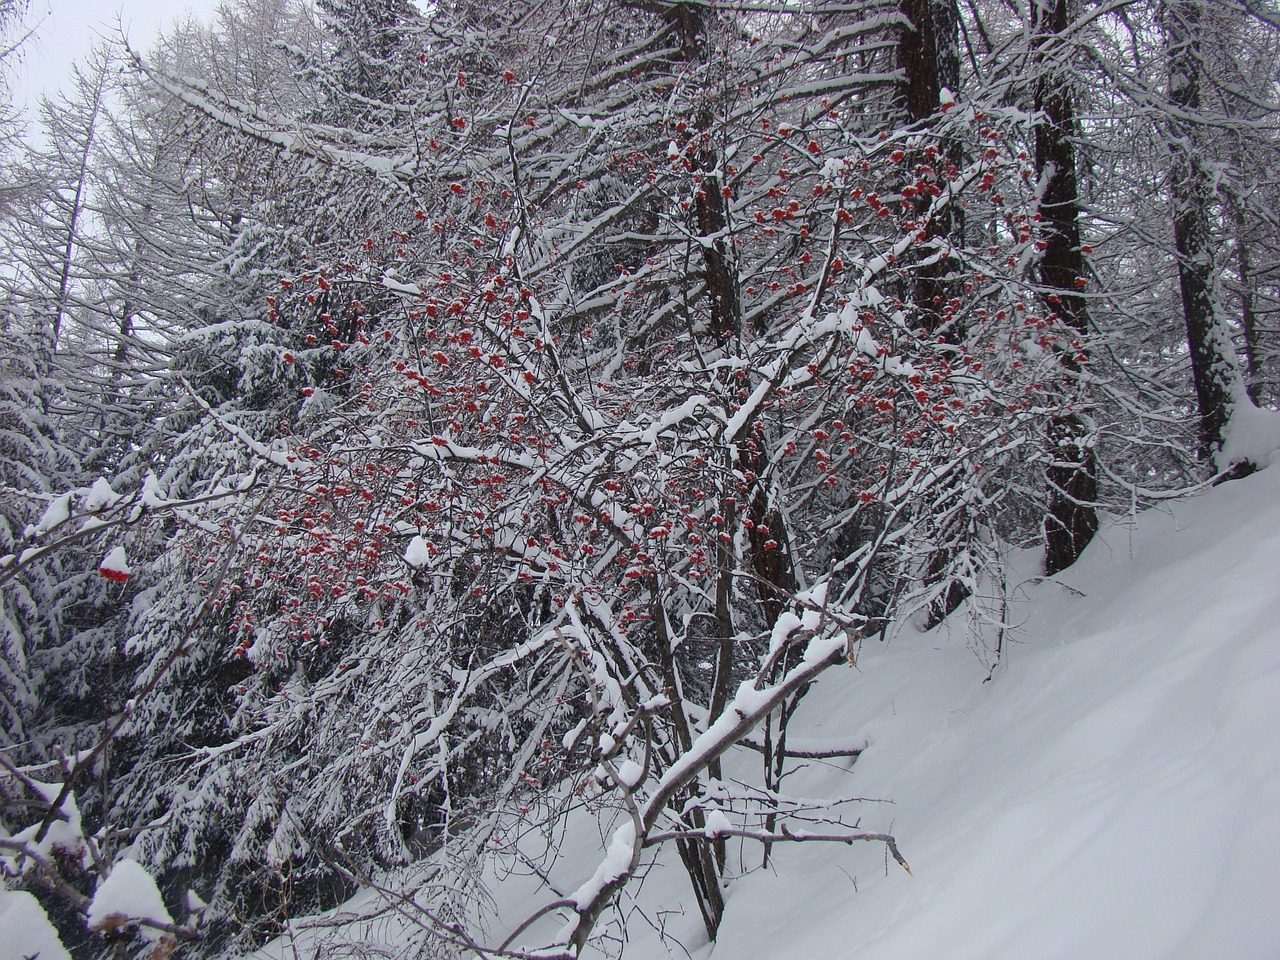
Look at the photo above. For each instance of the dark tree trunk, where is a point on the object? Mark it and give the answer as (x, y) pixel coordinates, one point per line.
(928, 55)
(1248, 316)
(1219, 385)
(704, 862)
(929, 58)
(770, 551)
(1072, 519)
(710, 204)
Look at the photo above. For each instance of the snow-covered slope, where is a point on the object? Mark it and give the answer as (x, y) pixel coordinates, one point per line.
(1112, 792)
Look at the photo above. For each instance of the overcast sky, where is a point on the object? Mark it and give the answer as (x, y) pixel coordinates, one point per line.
(66, 29)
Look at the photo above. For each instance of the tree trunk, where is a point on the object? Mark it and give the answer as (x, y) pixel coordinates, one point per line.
(1219, 386)
(929, 58)
(1072, 519)
(928, 55)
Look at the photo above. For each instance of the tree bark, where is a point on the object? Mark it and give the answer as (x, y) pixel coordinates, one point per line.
(1072, 519)
(1219, 385)
(928, 55)
(929, 58)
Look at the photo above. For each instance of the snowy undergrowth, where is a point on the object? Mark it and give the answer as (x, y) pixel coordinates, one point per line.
(1110, 792)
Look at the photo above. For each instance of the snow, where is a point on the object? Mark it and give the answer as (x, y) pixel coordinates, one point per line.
(1110, 793)
(57, 513)
(616, 862)
(788, 623)
(1252, 435)
(417, 554)
(28, 934)
(115, 566)
(65, 836)
(152, 496)
(822, 646)
(630, 773)
(717, 823)
(195, 904)
(129, 893)
(1107, 791)
(99, 496)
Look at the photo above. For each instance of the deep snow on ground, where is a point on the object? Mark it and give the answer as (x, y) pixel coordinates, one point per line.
(1112, 792)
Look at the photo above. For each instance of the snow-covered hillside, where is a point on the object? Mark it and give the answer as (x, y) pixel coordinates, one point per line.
(1109, 791)
(1112, 792)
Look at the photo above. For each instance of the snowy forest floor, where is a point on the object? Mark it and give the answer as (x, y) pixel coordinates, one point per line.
(1110, 792)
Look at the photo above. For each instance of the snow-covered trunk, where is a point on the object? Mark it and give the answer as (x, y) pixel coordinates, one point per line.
(1220, 388)
(1071, 519)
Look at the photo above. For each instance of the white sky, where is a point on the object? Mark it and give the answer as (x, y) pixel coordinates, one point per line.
(66, 29)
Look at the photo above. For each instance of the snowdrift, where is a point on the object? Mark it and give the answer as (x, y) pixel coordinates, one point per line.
(1112, 792)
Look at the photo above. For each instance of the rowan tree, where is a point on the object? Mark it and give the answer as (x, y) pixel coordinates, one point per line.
(528, 405)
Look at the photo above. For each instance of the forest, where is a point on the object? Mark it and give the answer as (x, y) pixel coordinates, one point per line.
(431, 433)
